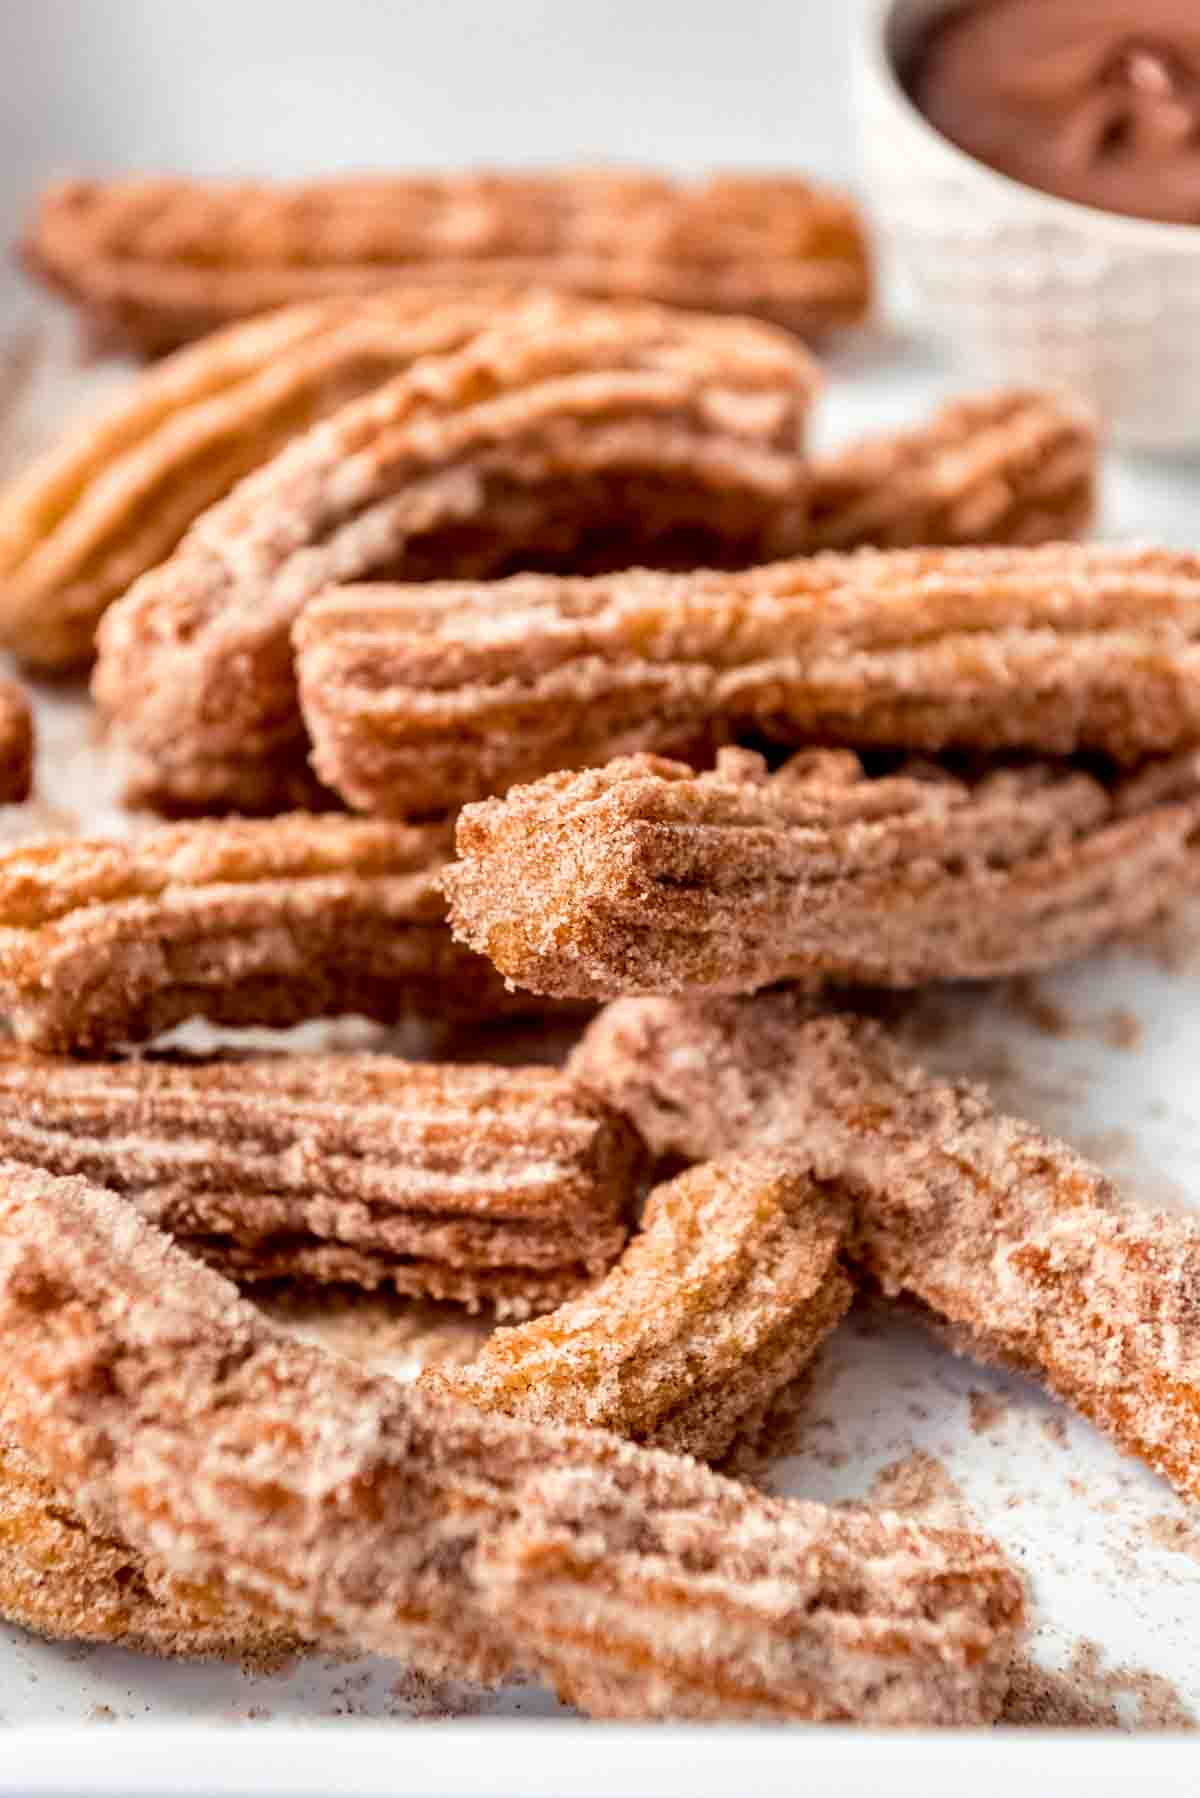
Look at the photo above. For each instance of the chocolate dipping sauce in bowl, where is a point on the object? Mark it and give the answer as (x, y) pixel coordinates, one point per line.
(1035, 167)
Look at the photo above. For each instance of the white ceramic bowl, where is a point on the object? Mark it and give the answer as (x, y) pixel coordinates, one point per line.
(1020, 285)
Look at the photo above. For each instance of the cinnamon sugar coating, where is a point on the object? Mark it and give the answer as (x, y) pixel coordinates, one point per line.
(724, 1294)
(61, 1579)
(500, 1187)
(645, 877)
(1013, 466)
(1005, 1234)
(16, 744)
(116, 495)
(558, 433)
(242, 922)
(410, 1522)
(153, 262)
(420, 699)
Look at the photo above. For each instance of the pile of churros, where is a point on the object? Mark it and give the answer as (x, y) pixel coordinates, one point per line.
(459, 592)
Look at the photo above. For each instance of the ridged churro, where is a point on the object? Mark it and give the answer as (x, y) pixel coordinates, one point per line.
(419, 699)
(1006, 1235)
(408, 1521)
(500, 1187)
(116, 495)
(61, 1579)
(267, 921)
(557, 434)
(645, 877)
(153, 262)
(721, 1298)
(1013, 466)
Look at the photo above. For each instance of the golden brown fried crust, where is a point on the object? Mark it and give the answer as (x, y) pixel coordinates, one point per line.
(645, 877)
(61, 1579)
(16, 744)
(116, 495)
(411, 1522)
(419, 699)
(504, 1188)
(1014, 466)
(152, 263)
(725, 1293)
(561, 433)
(242, 922)
(1006, 1235)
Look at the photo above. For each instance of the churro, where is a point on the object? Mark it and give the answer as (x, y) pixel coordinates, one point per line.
(410, 1522)
(1004, 1234)
(645, 877)
(419, 699)
(61, 1579)
(153, 262)
(267, 921)
(116, 495)
(721, 1298)
(560, 433)
(500, 1187)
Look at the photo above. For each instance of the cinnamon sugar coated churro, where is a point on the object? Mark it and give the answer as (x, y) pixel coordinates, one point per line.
(722, 1297)
(644, 877)
(558, 433)
(61, 1579)
(408, 1522)
(152, 263)
(419, 699)
(1014, 466)
(115, 496)
(16, 744)
(504, 1187)
(1008, 1236)
(265, 921)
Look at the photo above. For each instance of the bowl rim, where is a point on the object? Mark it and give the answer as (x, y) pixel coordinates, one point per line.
(875, 59)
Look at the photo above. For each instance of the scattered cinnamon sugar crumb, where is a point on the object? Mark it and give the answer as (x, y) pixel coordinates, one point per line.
(1121, 1029)
(420, 1699)
(1025, 997)
(916, 1484)
(101, 1713)
(1175, 1533)
(1054, 1430)
(1039, 1699)
(988, 1411)
(1087, 1696)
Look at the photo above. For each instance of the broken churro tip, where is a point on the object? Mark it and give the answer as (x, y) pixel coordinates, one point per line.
(241, 921)
(16, 744)
(421, 699)
(721, 1298)
(1016, 466)
(504, 1188)
(888, 1608)
(557, 433)
(645, 877)
(152, 263)
(62, 1580)
(115, 496)
(397, 1516)
(1005, 1235)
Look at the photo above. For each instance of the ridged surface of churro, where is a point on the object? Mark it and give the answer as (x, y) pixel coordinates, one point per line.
(152, 263)
(558, 434)
(645, 877)
(507, 1188)
(419, 699)
(266, 921)
(409, 1521)
(725, 1293)
(1005, 1234)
